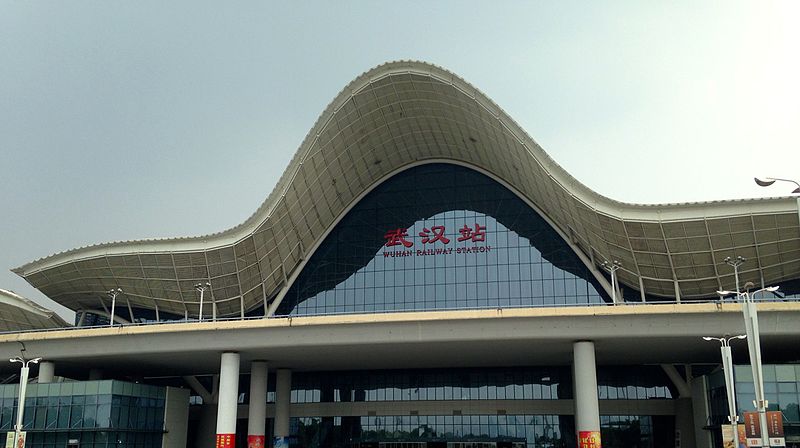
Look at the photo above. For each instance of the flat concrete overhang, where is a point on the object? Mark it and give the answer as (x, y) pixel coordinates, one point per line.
(640, 334)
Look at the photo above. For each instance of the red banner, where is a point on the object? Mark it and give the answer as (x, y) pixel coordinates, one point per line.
(226, 440)
(752, 428)
(589, 439)
(256, 442)
(775, 428)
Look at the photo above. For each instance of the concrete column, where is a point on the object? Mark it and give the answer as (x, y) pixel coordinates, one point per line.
(228, 399)
(701, 412)
(283, 391)
(257, 418)
(46, 372)
(176, 418)
(684, 422)
(587, 409)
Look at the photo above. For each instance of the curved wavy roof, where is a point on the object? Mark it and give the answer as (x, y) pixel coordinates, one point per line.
(398, 115)
(18, 314)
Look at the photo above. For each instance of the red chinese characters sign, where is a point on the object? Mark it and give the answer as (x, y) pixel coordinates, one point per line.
(589, 439)
(256, 442)
(226, 441)
(433, 235)
(397, 237)
(436, 233)
(475, 235)
(435, 241)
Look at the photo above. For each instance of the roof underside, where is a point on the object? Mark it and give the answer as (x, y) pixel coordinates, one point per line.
(18, 313)
(386, 120)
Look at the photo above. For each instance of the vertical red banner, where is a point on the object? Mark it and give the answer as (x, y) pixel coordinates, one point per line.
(226, 440)
(775, 428)
(589, 439)
(256, 442)
(752, 429)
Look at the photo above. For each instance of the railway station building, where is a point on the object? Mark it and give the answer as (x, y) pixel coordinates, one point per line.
(423, 275)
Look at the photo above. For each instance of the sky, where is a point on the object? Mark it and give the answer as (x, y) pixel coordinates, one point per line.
(149, 119)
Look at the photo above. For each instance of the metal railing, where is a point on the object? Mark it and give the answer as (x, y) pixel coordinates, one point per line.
(411, 310)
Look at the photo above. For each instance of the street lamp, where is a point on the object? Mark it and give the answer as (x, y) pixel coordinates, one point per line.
(735, 263)
(754, 348)
(23, 385)
(767, 181)
(201, 288)
(113, 293)
(727, 370)
(612, 269)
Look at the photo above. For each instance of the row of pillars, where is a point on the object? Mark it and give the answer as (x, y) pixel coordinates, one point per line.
(587, 410)
(256, 423)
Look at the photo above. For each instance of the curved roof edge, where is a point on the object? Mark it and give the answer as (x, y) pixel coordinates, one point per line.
(10, 298)
(601, 204)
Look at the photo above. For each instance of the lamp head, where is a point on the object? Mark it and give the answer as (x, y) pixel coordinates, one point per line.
(706, 338)
(35, 360)
(766, 182)
(771, 288)
(725, 293)
(741, 336)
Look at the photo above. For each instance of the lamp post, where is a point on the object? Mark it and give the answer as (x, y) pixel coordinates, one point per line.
(113, 293)
(23, 385)
(201, 288)
(735, 263)
(754, 348)
(727, 370)
(612, 267)
(767, 181)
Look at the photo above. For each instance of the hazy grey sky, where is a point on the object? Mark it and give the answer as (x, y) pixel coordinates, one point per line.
(128, 120)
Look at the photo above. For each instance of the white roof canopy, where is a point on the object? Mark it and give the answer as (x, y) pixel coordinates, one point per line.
(392, 117)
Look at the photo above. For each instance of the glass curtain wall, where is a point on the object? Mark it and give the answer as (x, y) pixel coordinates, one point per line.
(781, 389)
(439, 237)
(97, 413)
(532, 431)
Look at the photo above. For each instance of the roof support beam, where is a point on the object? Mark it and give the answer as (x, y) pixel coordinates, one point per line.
(682, 385)
(200, 389)
(641, 289)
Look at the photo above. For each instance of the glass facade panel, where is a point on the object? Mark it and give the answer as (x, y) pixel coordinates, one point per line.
(88, 412)
(432, 384)
(440, 237)
(633, 383)
(468, 431)
(628, 431)
(515, 383)
(779, 389)
(365, 431)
